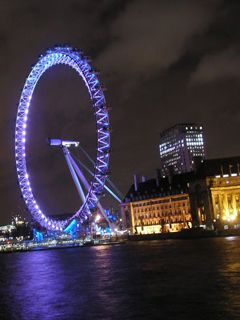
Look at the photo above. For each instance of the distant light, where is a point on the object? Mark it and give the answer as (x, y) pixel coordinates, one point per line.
(97, 218)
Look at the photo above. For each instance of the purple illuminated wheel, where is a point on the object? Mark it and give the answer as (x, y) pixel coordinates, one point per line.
(74, 59)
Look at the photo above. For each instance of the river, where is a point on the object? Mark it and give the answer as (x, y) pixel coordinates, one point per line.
(166, 279)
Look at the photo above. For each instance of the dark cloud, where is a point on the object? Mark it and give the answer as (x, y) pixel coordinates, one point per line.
(163, 62)
(150, 36)
(218, 66)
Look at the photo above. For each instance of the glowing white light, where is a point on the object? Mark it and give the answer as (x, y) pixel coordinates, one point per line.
(97, 218)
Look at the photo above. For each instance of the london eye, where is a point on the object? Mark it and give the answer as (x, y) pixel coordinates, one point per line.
(73, 58)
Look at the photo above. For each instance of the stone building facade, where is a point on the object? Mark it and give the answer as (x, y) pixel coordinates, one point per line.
(157, 208)
(209, 198)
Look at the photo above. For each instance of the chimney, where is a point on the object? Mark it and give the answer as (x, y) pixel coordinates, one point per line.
(158, 177)
(135, 182)
(221, 168)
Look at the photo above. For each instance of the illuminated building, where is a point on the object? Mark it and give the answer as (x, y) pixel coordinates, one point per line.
(215, 194)
(6, 231)
(157, 206)
(22, 228)
(17, 220)
(208, 197)
(225, 192)
(180, 147)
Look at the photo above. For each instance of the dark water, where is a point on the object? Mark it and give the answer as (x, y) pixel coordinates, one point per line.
(173, 279)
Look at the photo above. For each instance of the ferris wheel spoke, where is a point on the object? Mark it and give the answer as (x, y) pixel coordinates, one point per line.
(93, 163)
(87, 185)
(105, 186)
(87, 155)
(73, 174)
(79, 173)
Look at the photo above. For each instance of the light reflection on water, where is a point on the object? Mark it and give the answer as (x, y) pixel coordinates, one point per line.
(173, 279)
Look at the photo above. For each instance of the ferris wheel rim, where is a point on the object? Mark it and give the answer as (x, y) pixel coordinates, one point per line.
(74, 59)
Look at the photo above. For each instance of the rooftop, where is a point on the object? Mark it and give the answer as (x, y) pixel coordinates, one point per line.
(179, 183)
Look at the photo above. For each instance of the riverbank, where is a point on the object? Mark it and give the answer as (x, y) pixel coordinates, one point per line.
(41, 247)
(185, 234)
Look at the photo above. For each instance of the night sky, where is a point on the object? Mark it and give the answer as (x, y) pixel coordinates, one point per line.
(162, 62)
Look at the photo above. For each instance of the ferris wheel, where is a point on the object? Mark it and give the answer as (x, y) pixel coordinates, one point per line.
(75, 59)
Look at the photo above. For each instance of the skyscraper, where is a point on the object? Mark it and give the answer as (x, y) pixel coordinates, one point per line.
(180, 147)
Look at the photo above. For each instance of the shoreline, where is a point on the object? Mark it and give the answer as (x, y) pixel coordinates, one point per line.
(185, 235)
(59, 246)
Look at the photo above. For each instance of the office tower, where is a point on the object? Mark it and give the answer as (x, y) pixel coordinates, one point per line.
(181, 147)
